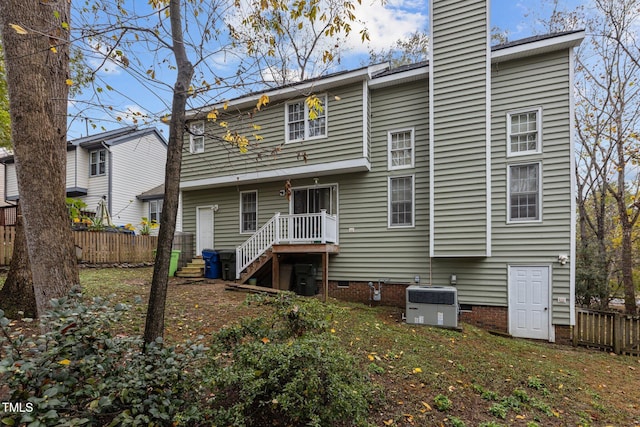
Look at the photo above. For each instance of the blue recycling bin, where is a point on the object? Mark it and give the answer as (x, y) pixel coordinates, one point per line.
(211, 264)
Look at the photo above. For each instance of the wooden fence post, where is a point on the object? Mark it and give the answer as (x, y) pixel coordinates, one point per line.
(618, 336)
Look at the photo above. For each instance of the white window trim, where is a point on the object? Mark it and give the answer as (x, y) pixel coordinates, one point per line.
(98, 162)
(413, 149)
(240, 210)
(538, 150)
(413, 202)
(540, 210)
(193, 135)
(325, 104)
(158, 213)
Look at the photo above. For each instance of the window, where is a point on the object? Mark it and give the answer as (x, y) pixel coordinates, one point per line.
(98, 162)
(524, 198)
(523, 132)
(401, 204)
(155, 209)
(298, 124)
(248, 211)
(196, 143)
(400, 147)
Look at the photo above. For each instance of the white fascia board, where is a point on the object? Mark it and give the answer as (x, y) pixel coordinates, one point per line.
(402, 77)
(538, 47)
(321, 169)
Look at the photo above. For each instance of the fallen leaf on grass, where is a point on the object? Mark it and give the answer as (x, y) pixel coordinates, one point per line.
(417, 370)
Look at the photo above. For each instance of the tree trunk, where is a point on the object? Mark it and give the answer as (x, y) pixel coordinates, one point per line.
(154, 326)
(17, 293)
(36, 46)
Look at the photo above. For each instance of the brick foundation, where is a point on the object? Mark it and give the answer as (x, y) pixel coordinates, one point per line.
(564, 334)
(486, 317)
(391, 294)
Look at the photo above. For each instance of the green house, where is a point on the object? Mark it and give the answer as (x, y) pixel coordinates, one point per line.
(457, 171)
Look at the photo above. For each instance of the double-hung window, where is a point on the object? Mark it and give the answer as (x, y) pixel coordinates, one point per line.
(524, 199)
(524, 132)
(303, 122)
(196, 137)
(401, 201)
(98, 162)
(248, 211)
(155, 210)
(401, 149)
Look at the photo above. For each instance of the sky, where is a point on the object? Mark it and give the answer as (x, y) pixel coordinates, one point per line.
(386, 21)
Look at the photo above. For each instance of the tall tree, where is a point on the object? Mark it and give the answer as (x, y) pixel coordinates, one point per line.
(35, 37)
(414, 48)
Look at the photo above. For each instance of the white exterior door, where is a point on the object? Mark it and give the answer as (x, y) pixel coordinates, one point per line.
(529, 305)
(204, 228)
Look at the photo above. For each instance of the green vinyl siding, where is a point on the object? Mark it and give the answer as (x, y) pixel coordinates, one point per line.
(459, 129)
(344, 139)
(517, 85)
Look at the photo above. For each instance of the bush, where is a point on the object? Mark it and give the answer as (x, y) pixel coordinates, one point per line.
(286, 370)
(81, 373)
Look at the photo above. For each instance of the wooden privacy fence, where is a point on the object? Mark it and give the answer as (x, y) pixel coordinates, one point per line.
(95, 247)
(610, 331)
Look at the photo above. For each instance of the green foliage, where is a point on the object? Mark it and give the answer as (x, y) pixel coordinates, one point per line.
(80, 373)
(442, 403)
(456, 422)
(592, 283)
(286, 369)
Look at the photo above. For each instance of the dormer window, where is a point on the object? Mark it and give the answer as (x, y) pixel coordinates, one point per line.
(299, 124)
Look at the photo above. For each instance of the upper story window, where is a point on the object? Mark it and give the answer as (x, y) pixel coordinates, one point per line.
(401, 201)
(196, 137)
(98, 162)
(524, 132)
(248, 211)
(525, 192)
(401, 149)
(302, 123)
(155, 210)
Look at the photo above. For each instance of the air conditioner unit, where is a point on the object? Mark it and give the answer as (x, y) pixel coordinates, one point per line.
(432, 305)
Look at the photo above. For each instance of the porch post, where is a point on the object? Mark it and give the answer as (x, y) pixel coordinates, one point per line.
(275, 271)
(323, 225)
(325, 275)
(277, 229)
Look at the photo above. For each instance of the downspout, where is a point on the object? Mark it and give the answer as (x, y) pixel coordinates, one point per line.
(109, 177)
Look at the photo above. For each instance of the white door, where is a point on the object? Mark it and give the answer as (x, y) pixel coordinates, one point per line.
(204, 228)
(529, 308)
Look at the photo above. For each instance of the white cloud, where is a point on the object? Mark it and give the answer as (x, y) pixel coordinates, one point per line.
(388, 22)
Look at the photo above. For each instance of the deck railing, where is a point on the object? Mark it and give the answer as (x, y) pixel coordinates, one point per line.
(296, 228)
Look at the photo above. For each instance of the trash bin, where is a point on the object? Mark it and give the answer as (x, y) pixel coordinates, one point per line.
(305, 279)
(173, 264)
(228, 263)
(211, 264)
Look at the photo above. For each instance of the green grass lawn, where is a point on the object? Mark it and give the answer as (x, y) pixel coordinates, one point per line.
(429, 376)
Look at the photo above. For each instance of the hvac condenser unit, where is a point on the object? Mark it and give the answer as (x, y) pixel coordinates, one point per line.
(432, 305)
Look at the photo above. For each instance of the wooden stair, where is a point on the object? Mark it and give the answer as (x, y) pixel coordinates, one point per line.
(254, 267)
(193, 269)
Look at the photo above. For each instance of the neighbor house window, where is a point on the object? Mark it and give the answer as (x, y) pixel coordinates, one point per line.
(524, 198)
(401, 201)
(299, 124)
(401, 151)
(155, 209)
(196, 143)
(98, 162)
(523, 132)
(248, 211)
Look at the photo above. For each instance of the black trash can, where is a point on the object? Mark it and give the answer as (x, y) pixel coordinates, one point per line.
(305, 279)
(211, 263)
(228, 264)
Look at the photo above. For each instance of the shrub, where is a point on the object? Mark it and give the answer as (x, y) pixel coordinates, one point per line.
(287, 369)
(80, 373)
(442, 402)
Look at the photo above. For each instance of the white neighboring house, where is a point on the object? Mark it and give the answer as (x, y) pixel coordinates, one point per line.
(116, 166)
